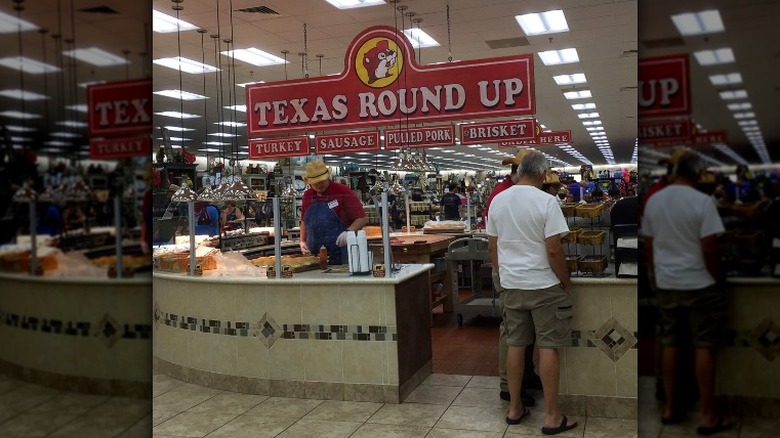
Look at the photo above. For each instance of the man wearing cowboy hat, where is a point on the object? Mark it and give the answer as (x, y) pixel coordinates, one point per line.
(329, 210)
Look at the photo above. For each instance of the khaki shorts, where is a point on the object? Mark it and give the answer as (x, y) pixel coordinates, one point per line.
(695, 317)
(544, 314)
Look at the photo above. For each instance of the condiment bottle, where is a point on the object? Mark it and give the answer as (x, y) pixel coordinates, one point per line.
(323, 257)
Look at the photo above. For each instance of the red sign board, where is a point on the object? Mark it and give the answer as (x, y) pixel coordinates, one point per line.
(347, 143)
(664, 88)
(120, 108)
(494, 132)
(710, 137)
(542, 138)
(426, 137)
(382, 84)
(665, 132)
(278, 147)
(122, 147)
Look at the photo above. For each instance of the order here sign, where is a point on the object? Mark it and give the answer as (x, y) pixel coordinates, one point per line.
(382, 84)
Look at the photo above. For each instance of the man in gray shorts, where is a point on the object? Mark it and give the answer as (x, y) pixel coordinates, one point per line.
(524, 230)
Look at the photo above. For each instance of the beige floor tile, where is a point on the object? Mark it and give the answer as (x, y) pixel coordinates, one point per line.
(25, 396)
(648, 432)
(532, 425)
(479, 397)
(347, 411)
(162, 384)
(228, 402)
(193, 424)
(254, 426)
(34, 425)
(488, 382)
(439, 395)
(92, 426)
(610, 427)
(484, 419)
(447, 380)
(69, 403)
(408, 414)
(138, 430)
(390, 431)
(321, 429)
(452, 433)
(760, 428)
(284, 407)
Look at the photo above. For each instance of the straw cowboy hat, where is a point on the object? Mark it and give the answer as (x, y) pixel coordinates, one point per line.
(551, 178)
(316, 171)
(516, 159)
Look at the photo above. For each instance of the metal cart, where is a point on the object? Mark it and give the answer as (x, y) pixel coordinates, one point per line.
(475, 251)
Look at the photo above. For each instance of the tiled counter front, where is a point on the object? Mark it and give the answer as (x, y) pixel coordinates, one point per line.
(87, 335)
(599, 369)
(748, 375)
(324, 336)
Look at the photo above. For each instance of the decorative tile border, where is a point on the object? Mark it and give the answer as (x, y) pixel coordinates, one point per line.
(108, 329)
(267, 328)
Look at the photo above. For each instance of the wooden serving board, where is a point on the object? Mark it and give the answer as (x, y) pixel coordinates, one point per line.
(443, 230)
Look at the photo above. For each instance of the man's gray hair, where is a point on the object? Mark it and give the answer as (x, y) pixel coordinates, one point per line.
(689, 165)
(533, 165)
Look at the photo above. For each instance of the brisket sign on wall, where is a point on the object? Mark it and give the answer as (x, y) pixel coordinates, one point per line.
(382, 85)
(494, 132)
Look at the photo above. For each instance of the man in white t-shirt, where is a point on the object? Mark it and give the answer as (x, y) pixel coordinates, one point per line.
(524, 230)
(680, 228)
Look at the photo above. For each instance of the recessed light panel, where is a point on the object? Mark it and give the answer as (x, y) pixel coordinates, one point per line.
(726, 79)
(543, 22)
(255, 56)
(96, 56)
(556, 57)
(179, 94)
(714, 57)
(419, 38)
(186, 65)
(576, 78)
(349, 4)
(28, 65)
(22, 95)
(698, 23)
(164, 23)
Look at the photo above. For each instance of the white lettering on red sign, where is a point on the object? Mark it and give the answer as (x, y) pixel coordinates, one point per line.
(119, 108)
(490, 132)
(660, 90)
(341, 143)
(120, 147)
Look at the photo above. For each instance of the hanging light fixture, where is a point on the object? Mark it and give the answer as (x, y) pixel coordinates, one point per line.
(184, 194)
(25, 194)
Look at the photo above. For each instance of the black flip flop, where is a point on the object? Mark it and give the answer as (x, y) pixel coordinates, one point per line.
(517, 420)
(562, 428)
(710, 430)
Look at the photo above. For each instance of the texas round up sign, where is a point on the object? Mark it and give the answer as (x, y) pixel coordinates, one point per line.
(382, 84)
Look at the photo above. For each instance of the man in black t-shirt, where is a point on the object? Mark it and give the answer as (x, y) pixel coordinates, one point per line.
(451, 204)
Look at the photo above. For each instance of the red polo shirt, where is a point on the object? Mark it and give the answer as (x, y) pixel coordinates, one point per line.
(347, 205)
(503, 185)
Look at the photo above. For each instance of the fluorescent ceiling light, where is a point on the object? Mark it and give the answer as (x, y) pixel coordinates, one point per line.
(11, 24)
(713, 57)
(96, 56)
(741, 106)
(14, 128)
(73, 124)
(22, 95)
(555, 57)
(82, 108)
(164, 23)
(179, 94)
(231, 124)
(19, 115)
(733, 94)
(241, 108)
(595, 128)
(27, 65)
(187, 65)
(747, 123)
(56, 143)
(64, 134)
(348, 4)
(577, 78)
(748, 115)
(88, 83)
(179, 139)
(583, 106)
(177, 115)
(727, 79)
(255, 56)
(419, 38)
(697, 23)
(223, 134)
(582, 94)
(215, 143)
(249, 83)
(588, 115)
(178, 128)
(208, 150)
(542, 23)
(592, 123)
(20, 139)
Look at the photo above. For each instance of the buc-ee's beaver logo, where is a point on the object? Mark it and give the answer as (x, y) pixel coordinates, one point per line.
(379, 62)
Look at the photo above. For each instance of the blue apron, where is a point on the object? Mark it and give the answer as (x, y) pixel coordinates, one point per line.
(322, 228)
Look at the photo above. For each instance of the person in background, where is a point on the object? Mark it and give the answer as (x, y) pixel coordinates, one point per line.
(529, 375)
(206, 219)
(231, 213)
(576, 189)
(451, 204)
(680, 229)
(524, 230)
(50, 221)
(72, 217)
(329, 210)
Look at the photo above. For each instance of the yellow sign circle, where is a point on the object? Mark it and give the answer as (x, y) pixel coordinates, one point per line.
(379, 62)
